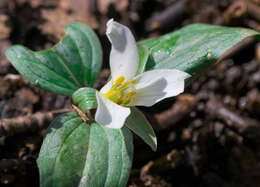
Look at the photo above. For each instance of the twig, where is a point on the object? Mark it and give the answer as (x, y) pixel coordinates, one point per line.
(163, 164)
(235, 11)
(258, 51)
(217, 110)
(172, 15)
(31, 123)
(183, 106)
(86, 117)
(15, 80)
(253, 10)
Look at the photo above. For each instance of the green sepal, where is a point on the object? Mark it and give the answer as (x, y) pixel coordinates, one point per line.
(141, 127)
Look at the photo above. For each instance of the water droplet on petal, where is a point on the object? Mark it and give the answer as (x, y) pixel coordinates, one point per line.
(209, 56)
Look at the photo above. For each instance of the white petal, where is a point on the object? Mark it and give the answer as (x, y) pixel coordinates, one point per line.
(124, 54)
(110, 114)
(106, 87)
(153, 86)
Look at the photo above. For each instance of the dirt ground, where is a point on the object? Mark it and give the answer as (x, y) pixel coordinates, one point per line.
(208, 136)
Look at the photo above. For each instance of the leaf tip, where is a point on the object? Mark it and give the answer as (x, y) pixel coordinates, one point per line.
(154, 148)
(9, 52)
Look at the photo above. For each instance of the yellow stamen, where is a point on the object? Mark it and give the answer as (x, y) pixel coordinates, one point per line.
(127, 98)
(118, 93)
(129, 94)
(119, 80)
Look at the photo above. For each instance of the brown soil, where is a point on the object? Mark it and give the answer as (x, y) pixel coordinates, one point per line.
(208, 136)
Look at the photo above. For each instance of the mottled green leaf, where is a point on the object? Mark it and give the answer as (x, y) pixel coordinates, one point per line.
(72, 63)
(193, 48)
(75, 153)
(143, 57)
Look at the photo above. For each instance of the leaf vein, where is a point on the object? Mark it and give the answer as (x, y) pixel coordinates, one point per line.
(62, 61)
(62, 77)
(55, 161)
(122, 158)
(92, 57)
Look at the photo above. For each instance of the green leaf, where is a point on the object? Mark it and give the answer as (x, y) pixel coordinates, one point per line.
(143, 52)
(72, 63)
(193, 48)
(140, 126)
(85, 98)
(75, 153)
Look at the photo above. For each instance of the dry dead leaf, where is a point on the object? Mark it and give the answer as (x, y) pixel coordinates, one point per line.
(4, 29)
(120, 5)
(66, 12)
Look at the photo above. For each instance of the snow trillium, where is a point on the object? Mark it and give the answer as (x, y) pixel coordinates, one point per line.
(125, 89)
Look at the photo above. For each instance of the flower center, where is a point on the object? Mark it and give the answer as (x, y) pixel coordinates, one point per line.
(121, 91)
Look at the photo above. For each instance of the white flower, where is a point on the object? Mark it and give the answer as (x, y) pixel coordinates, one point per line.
(125, 89)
